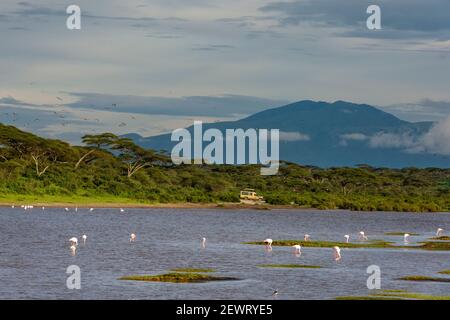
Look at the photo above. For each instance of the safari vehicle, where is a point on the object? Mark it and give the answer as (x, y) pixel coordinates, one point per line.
(250, 194)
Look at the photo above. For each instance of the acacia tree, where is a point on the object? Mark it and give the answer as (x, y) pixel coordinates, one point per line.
(3, 152)
(27, 146)
(100, 141)
(135, 156)
(46, 152)
(83, 157)
(96, 142)
(37, 159)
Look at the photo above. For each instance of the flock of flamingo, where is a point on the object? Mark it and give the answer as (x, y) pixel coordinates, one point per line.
(74, 240)
(268, 242)
(336, 250)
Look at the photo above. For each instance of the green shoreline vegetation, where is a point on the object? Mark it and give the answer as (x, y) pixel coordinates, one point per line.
(395, 295)
(441, 238)
(374, 244)
(327, 244)
(109, 169)
(178, 277)
(289, 266)
(192, 270)
(424, 279)
(400, 233)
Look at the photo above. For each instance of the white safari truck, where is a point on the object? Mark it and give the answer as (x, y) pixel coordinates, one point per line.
(250, 195)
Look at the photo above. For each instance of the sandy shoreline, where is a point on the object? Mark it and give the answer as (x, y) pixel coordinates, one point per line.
(235, 206)
(211, 206)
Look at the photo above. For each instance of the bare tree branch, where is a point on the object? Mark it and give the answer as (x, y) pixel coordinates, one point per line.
(82, 158)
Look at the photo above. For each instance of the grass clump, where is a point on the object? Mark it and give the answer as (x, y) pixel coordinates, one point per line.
(192, 270)
(424, 278)
(444, 272)
(328, 244)
(367, 298)
(441, 238)
(289, 266)
(374, 244)
(401, 233)
(434, 245)
(177, 277)
(395, 295)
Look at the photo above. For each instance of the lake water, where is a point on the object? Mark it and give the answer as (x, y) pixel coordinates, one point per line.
(34, 253)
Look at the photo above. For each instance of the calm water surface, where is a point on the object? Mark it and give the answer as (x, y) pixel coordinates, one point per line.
(34, 253)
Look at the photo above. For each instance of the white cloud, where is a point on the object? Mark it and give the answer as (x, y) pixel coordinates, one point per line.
(294, 136)
(423, 110)
(354, 136)
(436, 140)
(392, 140)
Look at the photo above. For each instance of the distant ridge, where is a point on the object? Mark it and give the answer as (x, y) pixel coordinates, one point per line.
(331, 134)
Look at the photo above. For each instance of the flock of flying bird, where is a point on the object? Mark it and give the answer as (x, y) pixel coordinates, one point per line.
(62, 114)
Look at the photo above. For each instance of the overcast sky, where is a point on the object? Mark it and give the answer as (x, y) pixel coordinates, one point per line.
(149, 66)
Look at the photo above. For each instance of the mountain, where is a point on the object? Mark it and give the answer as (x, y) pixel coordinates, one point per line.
(332, 134)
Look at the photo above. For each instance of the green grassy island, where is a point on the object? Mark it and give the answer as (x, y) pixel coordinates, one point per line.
(178, 277)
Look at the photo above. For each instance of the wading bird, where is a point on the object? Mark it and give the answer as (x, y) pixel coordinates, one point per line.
(67, 209)
(84, 239)
(406, 237)
(297, 249)
(203, 242)
(73, 249)
(347, 238)
(91, 209)
(362, 236)
(306, 237)
(439, 232)
(132, 237)
(275, 292)
(337, 253)
(122, 210)
(73, 241)
(268, 242)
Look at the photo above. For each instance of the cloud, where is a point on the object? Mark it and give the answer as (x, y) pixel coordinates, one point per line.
(95, 113)
(11, 100)
(294, 136)
(178, 48)
(27, 9)
(392, 140)
(425, 18)
(206, 106)
(435, 141)
(354, 136)
(213, 47)
(63, 122)
(423, 110)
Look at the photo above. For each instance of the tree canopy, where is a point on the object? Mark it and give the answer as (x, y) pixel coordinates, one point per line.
(111, 166)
